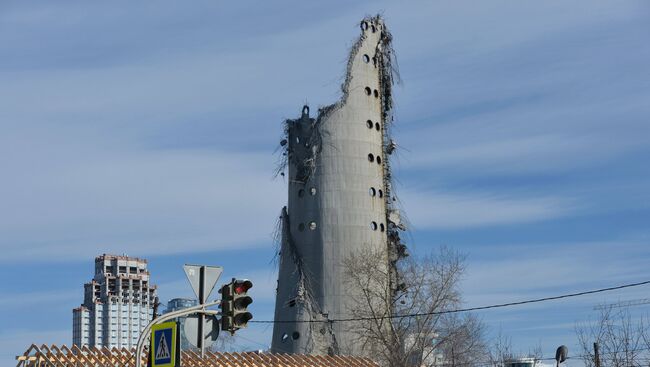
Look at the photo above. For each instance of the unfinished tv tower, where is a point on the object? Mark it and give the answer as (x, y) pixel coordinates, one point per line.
(340, 202)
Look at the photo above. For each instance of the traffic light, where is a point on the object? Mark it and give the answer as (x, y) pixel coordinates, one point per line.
(234, 304)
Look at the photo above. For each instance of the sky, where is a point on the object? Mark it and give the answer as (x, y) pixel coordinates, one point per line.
(150, 129)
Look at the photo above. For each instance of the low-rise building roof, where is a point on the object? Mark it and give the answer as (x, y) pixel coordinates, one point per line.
(52, 355)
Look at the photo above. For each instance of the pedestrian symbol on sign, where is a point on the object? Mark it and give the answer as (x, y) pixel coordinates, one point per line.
(163, 350)
(163, 345)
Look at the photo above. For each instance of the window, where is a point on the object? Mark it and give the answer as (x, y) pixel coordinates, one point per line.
(373, 192)
(312, 191)
(366, 58)
(373, 29)
(381, 193)
(364, 26)
(373, 226)
(369, 124)
(371, 158)
(376, 93)
(295, 335)
(312, 226)
(381, 227)
(378, 160)
(377, 127)
(368, 91)
(284, 337)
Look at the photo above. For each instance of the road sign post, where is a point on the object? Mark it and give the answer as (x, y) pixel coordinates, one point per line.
(202, 279)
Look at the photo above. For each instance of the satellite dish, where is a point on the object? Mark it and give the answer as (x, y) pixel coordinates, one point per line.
(561, 354)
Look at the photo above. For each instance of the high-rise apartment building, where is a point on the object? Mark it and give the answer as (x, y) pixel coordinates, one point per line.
(118, 304)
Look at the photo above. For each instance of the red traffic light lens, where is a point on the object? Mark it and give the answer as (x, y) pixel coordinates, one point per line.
(242, 286)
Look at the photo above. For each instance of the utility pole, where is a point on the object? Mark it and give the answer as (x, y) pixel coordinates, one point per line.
(156, 305)
(453, 358)
(596, 355)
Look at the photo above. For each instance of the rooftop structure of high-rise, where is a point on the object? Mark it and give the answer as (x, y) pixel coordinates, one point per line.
(340, 202)
(118, 304)
(176, 304)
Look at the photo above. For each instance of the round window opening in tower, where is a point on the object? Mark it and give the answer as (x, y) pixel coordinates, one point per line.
(372, 191)
(373, 28)
(301, 193)
(373, 226)
(376, 93)
(371, 158)
(292, 303)
(297, 140)
(301, 227)
(295, 335)
(364, 26)
(312, 191)
(284, 337)
(381, 193)
(378, 160)
(381, 227)
(312, 226)
(369, 124)
(377, 127)
(366, 58)
(368, 91)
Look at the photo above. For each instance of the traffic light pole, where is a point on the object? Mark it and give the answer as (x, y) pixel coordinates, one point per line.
(202, 299)
(200, 309)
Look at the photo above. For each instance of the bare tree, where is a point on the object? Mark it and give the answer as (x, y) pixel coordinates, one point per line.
(623, 340)
(425, 287)
(500, 351)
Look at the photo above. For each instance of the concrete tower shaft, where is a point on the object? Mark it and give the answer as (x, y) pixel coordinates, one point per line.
(339, 201)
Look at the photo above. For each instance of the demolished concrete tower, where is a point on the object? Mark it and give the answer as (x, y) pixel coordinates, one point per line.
(340, 201)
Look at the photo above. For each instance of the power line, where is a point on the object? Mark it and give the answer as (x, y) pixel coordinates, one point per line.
(478, 308)
(252, 341)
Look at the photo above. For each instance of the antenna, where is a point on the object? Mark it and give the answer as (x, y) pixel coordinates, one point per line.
(629, 303)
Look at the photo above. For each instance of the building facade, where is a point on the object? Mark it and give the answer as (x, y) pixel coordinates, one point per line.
(340, 202)
(176, 304)
(118, 304)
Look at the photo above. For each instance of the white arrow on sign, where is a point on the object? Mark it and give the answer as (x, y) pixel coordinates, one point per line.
(211, 275)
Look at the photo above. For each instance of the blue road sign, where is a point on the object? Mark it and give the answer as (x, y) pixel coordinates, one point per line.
(163, 345)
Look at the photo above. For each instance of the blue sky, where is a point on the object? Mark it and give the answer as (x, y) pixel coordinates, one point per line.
(149, 129)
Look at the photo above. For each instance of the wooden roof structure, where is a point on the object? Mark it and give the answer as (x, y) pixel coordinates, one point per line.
(63, 356)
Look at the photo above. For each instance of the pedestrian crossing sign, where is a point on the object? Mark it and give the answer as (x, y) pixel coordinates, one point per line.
(163, 345)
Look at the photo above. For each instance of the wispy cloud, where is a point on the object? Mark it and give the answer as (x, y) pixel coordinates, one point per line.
(452, 210)
(20, 300)
(99, 203)
(515, 272)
